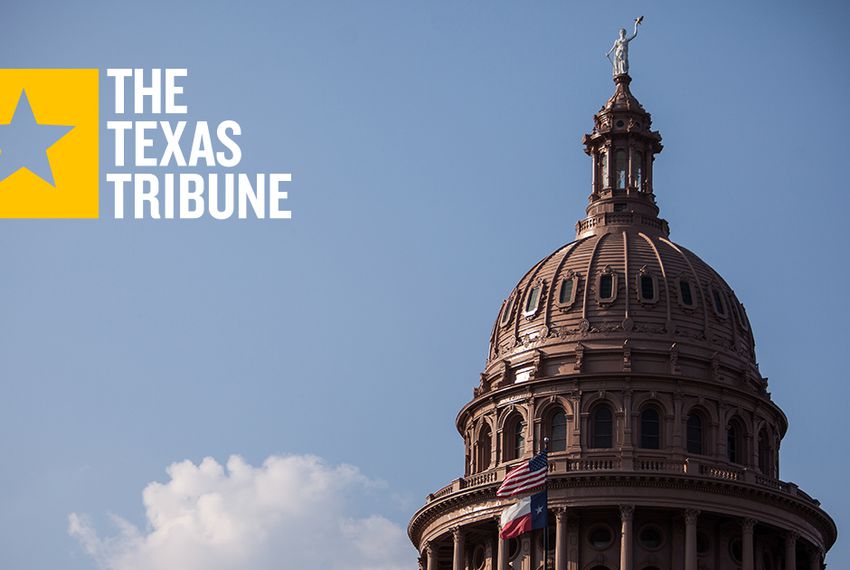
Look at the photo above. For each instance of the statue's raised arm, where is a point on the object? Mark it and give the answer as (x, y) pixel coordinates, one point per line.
(621, 50)
(638, 21)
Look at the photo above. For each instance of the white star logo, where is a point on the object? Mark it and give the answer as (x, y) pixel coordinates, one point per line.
(24, 143)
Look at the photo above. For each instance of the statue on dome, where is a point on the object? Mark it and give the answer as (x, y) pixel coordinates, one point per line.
(620, 50)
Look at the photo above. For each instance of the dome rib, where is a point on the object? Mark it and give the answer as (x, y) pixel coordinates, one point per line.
(663, 274)
(570, 247)
(697, 280)
(590, 261)
(626, 268)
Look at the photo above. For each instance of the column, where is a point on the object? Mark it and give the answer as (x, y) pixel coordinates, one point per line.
(573, 543)
(691, 516)
(815, 560)
(457, 560)
(525, 554)
(561, 539)
(431, 556)
(747, 544)
(594, 177)
(791, 550)
(490, 553)
(626, 540)
(503, 554)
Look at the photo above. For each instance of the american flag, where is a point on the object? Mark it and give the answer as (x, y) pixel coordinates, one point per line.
(525, 477)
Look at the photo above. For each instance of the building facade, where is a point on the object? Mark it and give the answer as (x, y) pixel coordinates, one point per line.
(637, 361)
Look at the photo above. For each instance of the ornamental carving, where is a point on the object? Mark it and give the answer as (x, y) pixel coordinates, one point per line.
(579, 357)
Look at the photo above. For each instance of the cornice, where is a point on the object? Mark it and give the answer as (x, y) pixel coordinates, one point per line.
(804, 507)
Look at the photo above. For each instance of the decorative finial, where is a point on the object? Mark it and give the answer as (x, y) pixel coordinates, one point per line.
(546, 444)
(620, 49)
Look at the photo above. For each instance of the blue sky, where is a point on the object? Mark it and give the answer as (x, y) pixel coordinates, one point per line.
(435, 152)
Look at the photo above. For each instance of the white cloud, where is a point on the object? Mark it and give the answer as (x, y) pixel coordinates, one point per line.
(293, 512)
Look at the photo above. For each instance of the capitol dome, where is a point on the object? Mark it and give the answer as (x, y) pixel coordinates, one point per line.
(631, 362)
(623, 284)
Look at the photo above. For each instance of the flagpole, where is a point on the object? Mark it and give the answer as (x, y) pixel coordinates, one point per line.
(546, 528)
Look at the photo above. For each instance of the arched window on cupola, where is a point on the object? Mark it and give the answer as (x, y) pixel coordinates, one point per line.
(603, 170)
(602, 427)
(558, 430)
(650, 429)
(621, 163)
(637, 170)
(484, 448)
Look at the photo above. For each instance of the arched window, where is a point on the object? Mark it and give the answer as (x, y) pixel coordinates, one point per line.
(508, 312)
(514, 438)
(567, 291)
(647, 287)
(532, 300)
(719, 305)
(558, 431)
(485, 448)
(764, 454)
(606, 285)
(686, 296)
(694, 435)
(735, 442)
(650, 429)
(478, 557)
(603, 166)
(602, 428)
(620, 164)
(637, 170)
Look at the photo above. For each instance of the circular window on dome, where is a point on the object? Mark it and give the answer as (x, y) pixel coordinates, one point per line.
(735, 549)
(600, 537)
(703, 544)
(478, 558)
(621, 124)
(651, 537)
(541, 543)
(513, 548)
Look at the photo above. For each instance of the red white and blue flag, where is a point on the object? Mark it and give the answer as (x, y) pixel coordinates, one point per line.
(526, 477)
(529, 513)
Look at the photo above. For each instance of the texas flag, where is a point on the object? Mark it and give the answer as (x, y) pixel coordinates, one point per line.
(527, 514)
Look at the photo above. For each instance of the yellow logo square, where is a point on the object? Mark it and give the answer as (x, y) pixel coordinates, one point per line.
(49, 143)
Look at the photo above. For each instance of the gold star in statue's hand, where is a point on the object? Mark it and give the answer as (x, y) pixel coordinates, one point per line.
(639, 20)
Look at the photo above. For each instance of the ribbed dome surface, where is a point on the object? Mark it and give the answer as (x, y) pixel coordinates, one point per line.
(655, 290)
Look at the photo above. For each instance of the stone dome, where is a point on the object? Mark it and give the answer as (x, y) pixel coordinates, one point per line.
(623, 297)
(623, 286)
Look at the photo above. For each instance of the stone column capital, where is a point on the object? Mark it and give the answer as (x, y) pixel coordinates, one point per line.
(691, 516)
(627, 512)
(748, 524)
(792, 535)
(429, 549)
(457, 533)
(560, 514)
